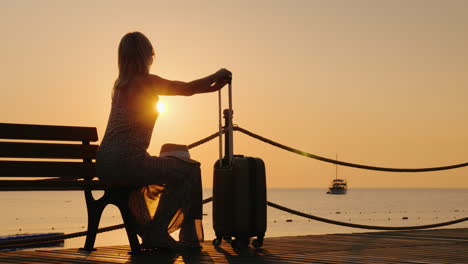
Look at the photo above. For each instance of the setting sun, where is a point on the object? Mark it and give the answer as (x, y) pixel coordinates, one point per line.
(160, 107)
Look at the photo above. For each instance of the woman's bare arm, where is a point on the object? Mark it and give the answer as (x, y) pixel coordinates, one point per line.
(207, 84)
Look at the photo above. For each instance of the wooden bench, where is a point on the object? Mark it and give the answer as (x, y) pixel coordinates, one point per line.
(64, 160)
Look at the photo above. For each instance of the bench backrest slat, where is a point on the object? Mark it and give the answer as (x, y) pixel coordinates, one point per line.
(72, 170)
(61, 153)
(47, 151)
(41, 132)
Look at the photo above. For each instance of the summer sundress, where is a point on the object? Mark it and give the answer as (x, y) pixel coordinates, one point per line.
(168, 191)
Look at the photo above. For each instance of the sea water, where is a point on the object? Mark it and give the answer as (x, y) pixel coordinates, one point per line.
(65, 211)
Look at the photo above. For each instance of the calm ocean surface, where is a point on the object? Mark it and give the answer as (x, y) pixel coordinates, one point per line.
(41, 212)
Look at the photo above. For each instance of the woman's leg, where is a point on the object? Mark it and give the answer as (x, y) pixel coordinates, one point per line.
(180, 203)
(159, 171)
(155, 232)
(192, 229)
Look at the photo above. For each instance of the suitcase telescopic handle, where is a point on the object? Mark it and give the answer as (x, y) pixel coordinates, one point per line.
(228, 126)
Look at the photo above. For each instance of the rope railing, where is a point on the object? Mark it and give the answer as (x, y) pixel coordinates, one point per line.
(334, 222)
(343, 163)
(57, 238)
(204, 140)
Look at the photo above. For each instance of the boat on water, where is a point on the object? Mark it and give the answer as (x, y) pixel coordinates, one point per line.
(338, 186)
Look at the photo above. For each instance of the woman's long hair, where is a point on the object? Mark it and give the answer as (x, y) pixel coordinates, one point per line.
(135, 58)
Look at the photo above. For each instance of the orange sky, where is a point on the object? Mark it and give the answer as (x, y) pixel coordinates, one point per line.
(382, 83)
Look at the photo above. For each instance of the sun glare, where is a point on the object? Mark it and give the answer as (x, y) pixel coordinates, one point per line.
(160, 107)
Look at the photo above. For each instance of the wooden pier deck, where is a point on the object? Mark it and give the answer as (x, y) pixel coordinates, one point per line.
(430, 246)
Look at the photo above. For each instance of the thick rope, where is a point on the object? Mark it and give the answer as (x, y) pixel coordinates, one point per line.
(343, 163)
(203, 141)
(325, 220)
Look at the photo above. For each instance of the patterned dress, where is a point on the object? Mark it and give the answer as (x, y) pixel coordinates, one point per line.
(168, 192)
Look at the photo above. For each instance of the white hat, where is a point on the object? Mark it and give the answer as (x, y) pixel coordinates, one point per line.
(177, 151)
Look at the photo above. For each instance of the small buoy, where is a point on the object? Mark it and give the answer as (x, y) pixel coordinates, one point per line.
(404, 218)
(288, 220)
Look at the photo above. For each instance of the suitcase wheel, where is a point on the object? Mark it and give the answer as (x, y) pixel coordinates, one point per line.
(258, 242)
(217, 242)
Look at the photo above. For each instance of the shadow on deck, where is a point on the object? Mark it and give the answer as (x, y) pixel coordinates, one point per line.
(428, 246)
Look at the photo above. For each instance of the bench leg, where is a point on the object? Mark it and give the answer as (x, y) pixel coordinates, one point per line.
(130, 227)
(120, 199)
(95, 208)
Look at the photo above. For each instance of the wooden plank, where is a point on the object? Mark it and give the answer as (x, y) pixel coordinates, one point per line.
(51, 185)
(430, 234)
(44, 132)
(72, 170)
(339, 249)
(48, 151)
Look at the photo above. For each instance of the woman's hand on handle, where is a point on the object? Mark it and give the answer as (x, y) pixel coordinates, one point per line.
(222, 75)
(218, 80)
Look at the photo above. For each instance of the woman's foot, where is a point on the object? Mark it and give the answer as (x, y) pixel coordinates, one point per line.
(191, 232)
(165, 242)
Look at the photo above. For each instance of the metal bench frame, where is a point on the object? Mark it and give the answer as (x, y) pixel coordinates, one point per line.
(52, 153)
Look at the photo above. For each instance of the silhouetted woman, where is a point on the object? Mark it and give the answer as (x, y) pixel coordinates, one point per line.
(168, 192)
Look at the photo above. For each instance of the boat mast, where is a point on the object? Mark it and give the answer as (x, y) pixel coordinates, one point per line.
(336, 167)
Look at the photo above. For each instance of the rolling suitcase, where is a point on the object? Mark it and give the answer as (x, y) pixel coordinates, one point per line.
(239, 192)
